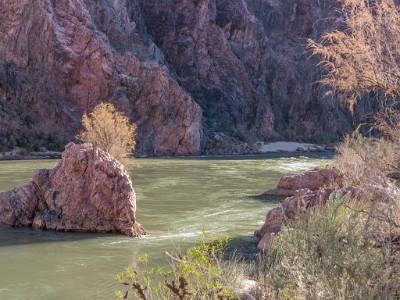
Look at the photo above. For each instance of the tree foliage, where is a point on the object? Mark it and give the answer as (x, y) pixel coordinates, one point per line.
(364, 55)
(108, 129)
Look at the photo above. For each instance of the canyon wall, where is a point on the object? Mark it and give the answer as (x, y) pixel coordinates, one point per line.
(185, 71)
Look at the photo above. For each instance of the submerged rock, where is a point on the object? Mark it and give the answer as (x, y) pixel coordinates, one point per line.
(88, 191)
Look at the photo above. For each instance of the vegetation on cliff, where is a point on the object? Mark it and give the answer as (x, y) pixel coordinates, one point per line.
(183, 71)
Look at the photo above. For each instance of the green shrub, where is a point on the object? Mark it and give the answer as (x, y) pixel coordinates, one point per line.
(341, 251)
(200, 273)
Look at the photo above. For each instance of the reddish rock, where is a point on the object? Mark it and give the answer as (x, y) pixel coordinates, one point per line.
(293, 208)
(191, 38)
(244, 62)
(303, 191)
(59, 59)
(312, 180)
(88, 191)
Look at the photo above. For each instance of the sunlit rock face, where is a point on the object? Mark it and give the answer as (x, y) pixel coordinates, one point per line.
(303, 192)
(59, 59)
(88, 191)
(312, 180)
(183, 71)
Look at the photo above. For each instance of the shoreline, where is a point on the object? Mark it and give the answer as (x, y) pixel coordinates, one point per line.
(263, 149)
(283, 146)
(31, 156)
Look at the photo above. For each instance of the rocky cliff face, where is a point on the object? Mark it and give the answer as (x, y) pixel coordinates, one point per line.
(60, 58)
(181, 70)
(88, 191)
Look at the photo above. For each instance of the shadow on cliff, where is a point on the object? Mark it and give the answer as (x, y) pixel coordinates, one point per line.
(23, 236)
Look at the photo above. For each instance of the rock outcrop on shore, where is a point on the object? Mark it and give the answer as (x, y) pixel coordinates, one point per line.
(88, 191)
(185, 72)
(302, 192)
(312, 180)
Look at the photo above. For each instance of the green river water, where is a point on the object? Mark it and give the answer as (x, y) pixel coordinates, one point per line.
(176, 198)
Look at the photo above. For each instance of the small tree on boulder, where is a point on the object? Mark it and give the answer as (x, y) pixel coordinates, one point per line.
(108, 129)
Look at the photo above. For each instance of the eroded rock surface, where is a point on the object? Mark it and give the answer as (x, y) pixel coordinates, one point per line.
(181, 70)
(59, 59)
(295, 207)
(88, 191)
(291, 208)
(312, 180)
(302, 192)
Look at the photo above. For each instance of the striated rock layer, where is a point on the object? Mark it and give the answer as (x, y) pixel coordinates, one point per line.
(88, 191)
(184, 71)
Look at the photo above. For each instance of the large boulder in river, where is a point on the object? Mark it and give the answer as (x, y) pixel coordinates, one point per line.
(88, 191)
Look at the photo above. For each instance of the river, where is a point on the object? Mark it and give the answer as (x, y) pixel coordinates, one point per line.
(176, 198)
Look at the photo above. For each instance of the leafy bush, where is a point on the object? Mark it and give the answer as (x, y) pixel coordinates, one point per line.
(108, 129)
(200, 273)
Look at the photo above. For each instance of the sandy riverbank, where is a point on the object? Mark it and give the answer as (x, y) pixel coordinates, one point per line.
(289, 147)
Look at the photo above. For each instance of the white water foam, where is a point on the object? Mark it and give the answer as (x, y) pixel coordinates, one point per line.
(299, 166)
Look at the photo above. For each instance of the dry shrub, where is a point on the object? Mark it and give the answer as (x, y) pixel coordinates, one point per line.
(338, 251)
(364, 55)
(387, 121)
(350, 248)
(110, 130)
(367, 162)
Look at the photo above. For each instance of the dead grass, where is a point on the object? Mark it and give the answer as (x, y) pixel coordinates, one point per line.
(367, 162)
